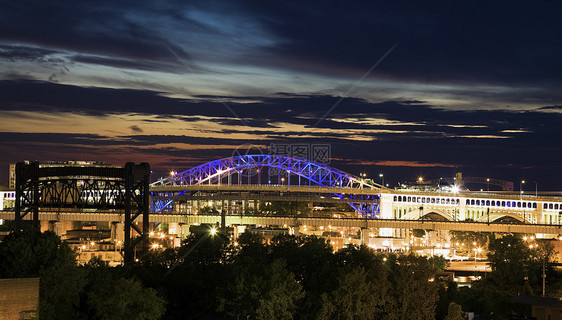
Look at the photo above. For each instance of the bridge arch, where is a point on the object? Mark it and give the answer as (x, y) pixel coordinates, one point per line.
(319, 174)
(213, 172)
(433, 213)
(495, 217)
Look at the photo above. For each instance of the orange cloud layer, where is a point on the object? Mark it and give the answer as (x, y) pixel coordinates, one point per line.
(398, 163)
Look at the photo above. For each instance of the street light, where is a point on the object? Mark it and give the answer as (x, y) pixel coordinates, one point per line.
(521, 197)
(488, 183)
(382, 177)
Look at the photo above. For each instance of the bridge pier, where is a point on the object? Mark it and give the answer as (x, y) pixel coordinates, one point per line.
(462, 211)
(117, 231)
(57, 227)
(539, 212)
(294, 230)
(184, 230)
(385, 208)
(173, 228)
(365, 236)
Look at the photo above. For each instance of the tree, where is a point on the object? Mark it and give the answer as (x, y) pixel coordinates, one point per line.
(260, 291)
(510, 258)
(252, 244)
(35, 254)
(125, 299)
(437, 263)
(203, 249)
(414, 295)
(357, 296)
(455, 312)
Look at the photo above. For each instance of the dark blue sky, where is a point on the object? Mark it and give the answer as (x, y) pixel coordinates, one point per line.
(463, 86)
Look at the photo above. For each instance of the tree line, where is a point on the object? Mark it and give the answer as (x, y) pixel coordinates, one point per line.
(287, 277)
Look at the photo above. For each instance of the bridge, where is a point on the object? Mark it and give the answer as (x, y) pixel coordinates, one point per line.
(237, 181)
(289, 222)
(233, 191)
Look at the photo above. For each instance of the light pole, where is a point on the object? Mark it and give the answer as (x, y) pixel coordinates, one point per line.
(521, 197)
(382, 177)
(536, 189)
(488, 184)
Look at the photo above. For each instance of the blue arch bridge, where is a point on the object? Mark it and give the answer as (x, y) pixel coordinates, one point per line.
(269, 177)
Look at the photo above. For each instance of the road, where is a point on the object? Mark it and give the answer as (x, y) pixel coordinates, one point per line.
(479, 265)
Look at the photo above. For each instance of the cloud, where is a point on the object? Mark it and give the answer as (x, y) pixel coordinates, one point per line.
(136, 128)
(398, 163)
(362, 134)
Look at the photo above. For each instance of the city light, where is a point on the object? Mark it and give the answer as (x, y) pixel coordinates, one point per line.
(213, 231)
(155, 246)
(455, 189)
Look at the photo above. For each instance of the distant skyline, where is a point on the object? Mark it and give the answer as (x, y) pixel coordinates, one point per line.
(471, 87)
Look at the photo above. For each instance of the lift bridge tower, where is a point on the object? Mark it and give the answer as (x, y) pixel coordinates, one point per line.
(48, 186)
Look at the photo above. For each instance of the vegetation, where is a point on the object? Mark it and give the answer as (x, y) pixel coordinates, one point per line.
(289, 277)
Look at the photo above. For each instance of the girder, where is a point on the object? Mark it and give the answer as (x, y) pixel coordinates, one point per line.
(214, 172)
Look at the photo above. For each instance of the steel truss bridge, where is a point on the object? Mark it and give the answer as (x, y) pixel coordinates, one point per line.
(266, 177)
(41, 187)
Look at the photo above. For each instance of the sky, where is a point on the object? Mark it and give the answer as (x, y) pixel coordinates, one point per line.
(403, 88)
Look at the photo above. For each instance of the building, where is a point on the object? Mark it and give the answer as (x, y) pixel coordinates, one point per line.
(7, 200)
(12, 176)
(541, 308)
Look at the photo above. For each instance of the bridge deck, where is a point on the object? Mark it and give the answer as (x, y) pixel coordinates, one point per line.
(263, 187)
(314, 222)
